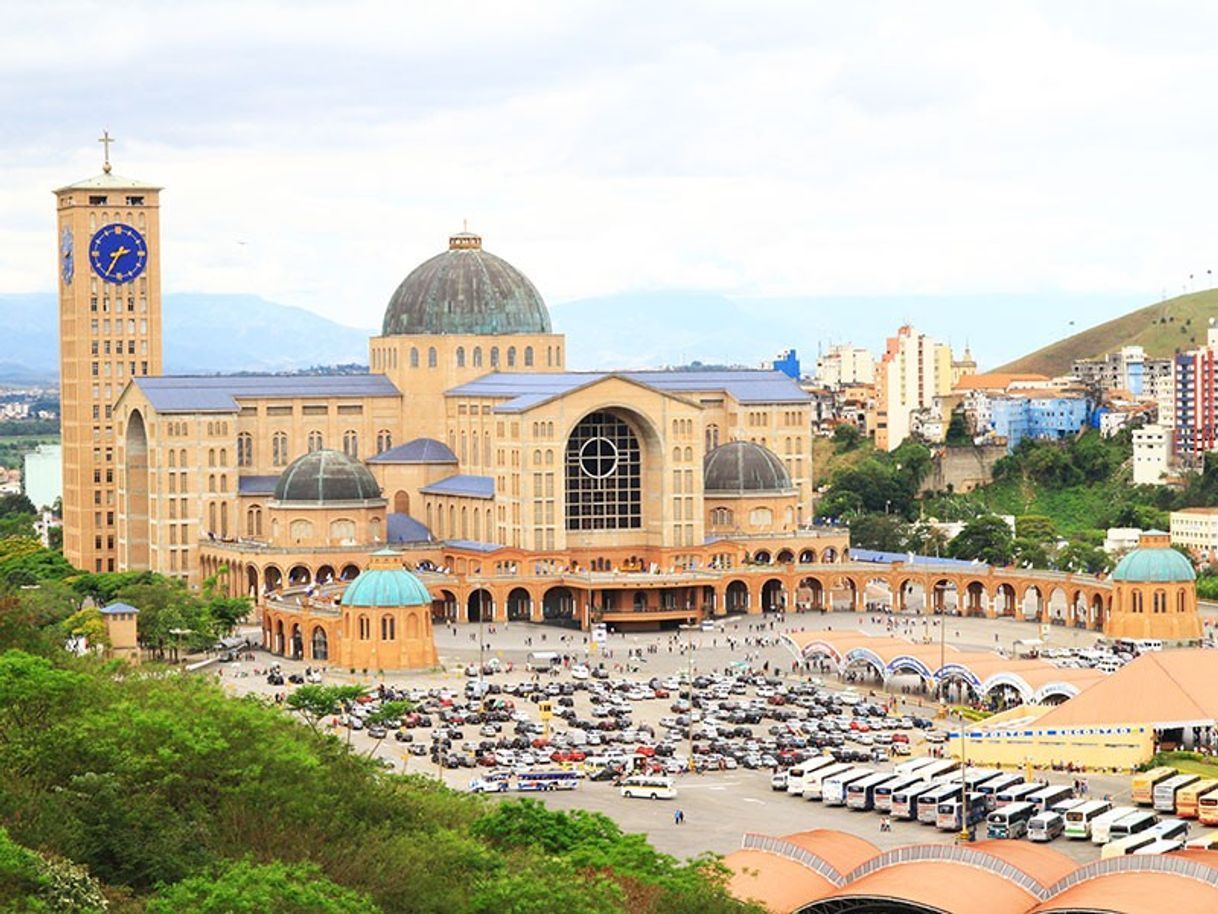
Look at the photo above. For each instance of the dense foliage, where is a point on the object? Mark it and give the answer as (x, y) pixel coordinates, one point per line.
(173, 796)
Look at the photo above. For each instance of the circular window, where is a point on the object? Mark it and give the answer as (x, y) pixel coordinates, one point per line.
(598, 458)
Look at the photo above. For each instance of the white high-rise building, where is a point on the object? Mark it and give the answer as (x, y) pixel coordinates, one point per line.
(846, 364)
(1151, 453)
(913, 371)
(43, 475)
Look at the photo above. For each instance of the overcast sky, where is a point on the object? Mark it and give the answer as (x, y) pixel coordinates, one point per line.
(313, 153)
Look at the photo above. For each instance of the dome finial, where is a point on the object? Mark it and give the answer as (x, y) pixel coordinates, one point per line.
(465, 240)
(105, 139)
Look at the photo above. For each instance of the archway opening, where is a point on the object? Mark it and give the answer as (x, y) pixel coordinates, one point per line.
(299, 576)
(480, 606)
(274, 581)
(737, 598)
(810, 595)
(773, 596)
(558, 607)
(325, 574)
(519, 605)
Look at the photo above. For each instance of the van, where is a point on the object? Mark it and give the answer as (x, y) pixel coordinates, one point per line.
(1142, 786)
(1132, 824)
(1011, 821)
(1045, 826)
(1100, 827)
(1165, 791)
(1080, 819)
(1127, 845)
(543, 661)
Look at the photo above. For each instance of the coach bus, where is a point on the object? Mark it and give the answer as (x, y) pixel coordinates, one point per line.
(1048, 797)
(814, 781)
(928, 802)
(1100, 827)
(833, 789)
(1080, 818)
(905, 801)
(1010, 821)
(1188, 800)
(797, 776)
(547, 780)
(1207, 808)
(885, 792)
(948, 818)
(1132, 824)
(1142, 787)
(860, 794)
(1018, 793)
(1165, 791)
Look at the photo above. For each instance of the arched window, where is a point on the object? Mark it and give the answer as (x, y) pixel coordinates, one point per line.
(494, 357)
(1180, 600)
(528, 356)
(224, 520)
(245, 450)
(603, 473)
(321, 649)
(253, 521)
(388, 628)
(342, 531)
(365, 628)
(211, 456)
(1137, 601)
(460, 356)
(431, 356)
(511, 357)
(315, 441)
(384, 441)
(414, 356)
(1160, 601)
(351, 444)
(477, 356)
(721, 517)
(279, 449)
(300, 530)
(712, 437)
(172, 457)
(211, 517)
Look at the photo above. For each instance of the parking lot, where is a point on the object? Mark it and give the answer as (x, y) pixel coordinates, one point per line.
(635, 706)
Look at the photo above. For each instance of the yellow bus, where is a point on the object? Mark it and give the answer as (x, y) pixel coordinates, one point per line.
(1207, 808)
(1142, 790)
(1188, 800)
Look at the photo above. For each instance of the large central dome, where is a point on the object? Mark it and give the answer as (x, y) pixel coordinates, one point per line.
(466, 290)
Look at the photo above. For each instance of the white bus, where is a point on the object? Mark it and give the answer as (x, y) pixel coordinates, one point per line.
(543, 661)
(547, 780)
(860, 794)
(797, 775)
(928, 802)
(992, 786)
(1170, 829)
(1100, 828)
(884, 792)
(814, 782)
(1019, 793)
(833, 790)
(1165, 791)
(1132, 824)
(904, 802)
(1011, 821)
(1048, 797)
(1080, 819)
(938, 768)
(1045, 826)
(1126, 845)
(1160, 846)
(913, 765)
(649, 787)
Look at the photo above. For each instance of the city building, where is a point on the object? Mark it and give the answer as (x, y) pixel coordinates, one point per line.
(1196, 391)
(121, 622)
(1196, 529)
(1045, 415)
(108, 238)
(1126, 369)
(43, 475)
(1151, 454)
(844, 365)
(963, 367)
(1154, 593)
(1119, 540)
(788, 363)
(913, 371)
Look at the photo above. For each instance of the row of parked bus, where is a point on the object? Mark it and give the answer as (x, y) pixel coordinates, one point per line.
(937, 792)
(1126, 829)
(1166, 790)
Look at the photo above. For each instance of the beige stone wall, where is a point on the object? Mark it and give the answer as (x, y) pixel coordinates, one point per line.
(98, 315)
(751, 514)
(1167, 612)
(303, 526)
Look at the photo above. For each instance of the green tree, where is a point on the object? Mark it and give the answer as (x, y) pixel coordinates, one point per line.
(1080, 556)
(170, 616)
(987, 539)
(1030, 553)
(89, 624)
(275, 888)
(957, 430)
(313, 702)
(886, 532)
(1035, 527)
(846, 437)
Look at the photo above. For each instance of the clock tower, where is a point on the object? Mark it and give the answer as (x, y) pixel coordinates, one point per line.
(108, 243)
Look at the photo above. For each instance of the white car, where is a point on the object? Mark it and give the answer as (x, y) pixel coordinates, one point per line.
(580, 672)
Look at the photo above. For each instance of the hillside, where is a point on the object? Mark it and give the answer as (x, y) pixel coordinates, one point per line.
(1161, 329)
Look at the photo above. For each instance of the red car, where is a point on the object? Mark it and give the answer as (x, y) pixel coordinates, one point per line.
(900, 738)
(661, 693)
(648, 751)
(540, 743)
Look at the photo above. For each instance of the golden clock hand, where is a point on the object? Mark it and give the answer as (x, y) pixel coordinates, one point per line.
(114, 258)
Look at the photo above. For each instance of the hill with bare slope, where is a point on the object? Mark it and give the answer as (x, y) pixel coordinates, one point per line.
(1161, 329)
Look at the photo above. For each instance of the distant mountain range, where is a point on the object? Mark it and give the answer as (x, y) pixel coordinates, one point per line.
(1162, 329)
(208, 333)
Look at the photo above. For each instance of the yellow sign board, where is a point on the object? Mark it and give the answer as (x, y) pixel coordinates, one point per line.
(545, 710)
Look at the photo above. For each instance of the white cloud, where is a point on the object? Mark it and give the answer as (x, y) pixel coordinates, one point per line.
(314, 152)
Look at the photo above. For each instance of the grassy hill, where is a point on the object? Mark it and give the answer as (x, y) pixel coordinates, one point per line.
(1161, 329)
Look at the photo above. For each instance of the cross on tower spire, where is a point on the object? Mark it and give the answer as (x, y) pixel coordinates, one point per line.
(105, 139)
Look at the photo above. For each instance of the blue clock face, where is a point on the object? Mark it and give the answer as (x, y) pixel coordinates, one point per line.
(67, 255)
(118, 253)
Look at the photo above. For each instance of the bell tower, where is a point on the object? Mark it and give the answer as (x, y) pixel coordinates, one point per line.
(108, 243)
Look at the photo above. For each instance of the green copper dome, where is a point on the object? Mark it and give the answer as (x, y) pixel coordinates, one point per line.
(1154, 566)
(465, 290)
(383, 587)
(323, 476)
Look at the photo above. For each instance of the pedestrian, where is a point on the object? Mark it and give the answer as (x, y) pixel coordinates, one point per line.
(676, 817)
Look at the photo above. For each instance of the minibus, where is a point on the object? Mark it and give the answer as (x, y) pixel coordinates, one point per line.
(1165, 791)
(947, 815)
(814, 781)
(1142, 787)
(991, 786)
(1045, 826)
(860, 794)
(1010, 821)
(928, 802)
(1079, 819)
(833, 790)
(1101, 824)
(797, 775)
(1207, 808)
(939, 768)
(1170, 829)
(650, 787)
(885, 792)
(905, 801)
(1048, 797)
(1188, 800)
(1132, 824)
(1159, 846)
(1019, 793)
(1126, 845)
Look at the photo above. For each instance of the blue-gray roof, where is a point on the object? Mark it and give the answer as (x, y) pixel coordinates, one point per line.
(462, 484)
(421, 450)
(473, 545)
(875, 555)
(256, 485)
(218, 393)
(405, 529)
(115, 608)
(523, 391)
